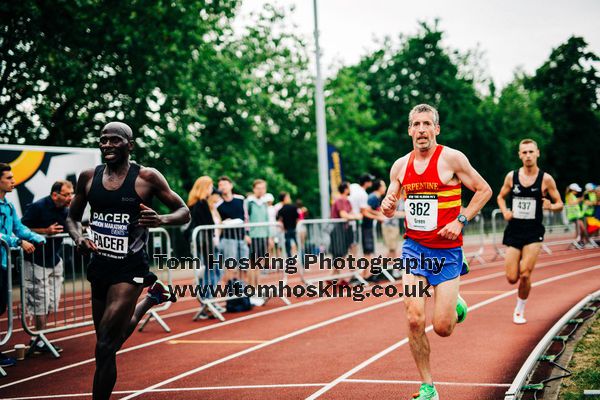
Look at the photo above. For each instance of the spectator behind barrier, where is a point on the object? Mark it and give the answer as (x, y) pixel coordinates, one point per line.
(590, 209)
(260, 240)
(234, 241)
(390, 230)
(15, 234)
(374, 201)
(274, 233)
(342, 236)
(288, 215)
(574, 212)
(358, 198)
(301, 229)
(202, 201)
(44, 270)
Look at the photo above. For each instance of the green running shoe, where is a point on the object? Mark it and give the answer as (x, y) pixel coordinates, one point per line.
(465, 265)
(461, 309)
(426, 392)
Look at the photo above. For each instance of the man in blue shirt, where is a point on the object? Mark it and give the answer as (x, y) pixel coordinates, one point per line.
(15, 234)
(374, 202)
(43, 270)
(234, 241)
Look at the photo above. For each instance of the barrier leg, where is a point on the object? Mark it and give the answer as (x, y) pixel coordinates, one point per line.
(388, 275)
(546, 249)
(152, 314)
(44, 339)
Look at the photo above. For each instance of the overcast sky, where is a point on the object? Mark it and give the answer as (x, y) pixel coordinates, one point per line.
(511, 33)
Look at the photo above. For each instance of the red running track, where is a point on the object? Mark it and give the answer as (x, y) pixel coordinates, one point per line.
(322, 348)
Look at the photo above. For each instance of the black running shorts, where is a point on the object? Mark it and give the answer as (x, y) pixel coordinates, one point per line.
(518, 237)
(104, 273)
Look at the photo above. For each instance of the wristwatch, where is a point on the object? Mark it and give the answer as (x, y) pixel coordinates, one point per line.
(19, 242)
(463, 220)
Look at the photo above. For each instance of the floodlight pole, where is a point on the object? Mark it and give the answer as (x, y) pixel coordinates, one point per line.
(321, 126)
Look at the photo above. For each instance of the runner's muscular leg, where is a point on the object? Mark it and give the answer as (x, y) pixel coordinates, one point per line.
(530, 255)
(98, 306)
(511, 262)
(444, 314)
(417, 338)
(120, 304)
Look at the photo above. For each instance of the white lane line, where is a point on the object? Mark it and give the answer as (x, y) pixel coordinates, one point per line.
(266, 344)
(87, 333)
(404, 341)
(400, 382)
(176, 336)
(300, 332)
(241, 319)
(187, 389)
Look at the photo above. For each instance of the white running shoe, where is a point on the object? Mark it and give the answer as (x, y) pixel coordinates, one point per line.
(519, 319)
(257, 301)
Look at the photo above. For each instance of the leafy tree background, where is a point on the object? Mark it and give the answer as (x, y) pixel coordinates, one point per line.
(207, 100)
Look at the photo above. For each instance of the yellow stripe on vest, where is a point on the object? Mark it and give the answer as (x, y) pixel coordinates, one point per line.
(449, 204)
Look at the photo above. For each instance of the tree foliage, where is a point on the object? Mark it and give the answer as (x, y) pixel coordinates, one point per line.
(207, 99)
(567, 88)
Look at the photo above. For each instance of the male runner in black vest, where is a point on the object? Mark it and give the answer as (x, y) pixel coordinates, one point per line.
(119, 192)
(525, 232)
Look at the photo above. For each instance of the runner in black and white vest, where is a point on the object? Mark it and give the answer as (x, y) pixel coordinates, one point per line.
(119, 193)
(524, 232)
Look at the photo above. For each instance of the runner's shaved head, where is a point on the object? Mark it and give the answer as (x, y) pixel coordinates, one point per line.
(118, 128)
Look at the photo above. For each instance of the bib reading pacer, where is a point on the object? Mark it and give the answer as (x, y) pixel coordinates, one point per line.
(430, 204)
(110, 233)
(113, 217)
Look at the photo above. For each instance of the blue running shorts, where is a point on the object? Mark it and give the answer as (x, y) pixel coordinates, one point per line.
(453, 266)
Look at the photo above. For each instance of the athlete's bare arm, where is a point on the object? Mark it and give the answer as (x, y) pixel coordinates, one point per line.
(388, 204)
(350, 216)
(157, 185)
(76, 209)
(504, 191)
(550, 185)
(469, 177)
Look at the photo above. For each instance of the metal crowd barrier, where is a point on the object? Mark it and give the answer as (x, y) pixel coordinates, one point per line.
(474, 235)
(57, 294)
(222, 255)
(331, 239)
(7, 276)
(388, 240)
(60, 294)
(159, 243)
(496, 228)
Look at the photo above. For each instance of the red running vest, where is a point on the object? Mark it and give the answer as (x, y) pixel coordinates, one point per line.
(430, 204)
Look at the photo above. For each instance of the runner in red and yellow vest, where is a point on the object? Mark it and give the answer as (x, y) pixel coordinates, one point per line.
(430, 204)
(432, 253)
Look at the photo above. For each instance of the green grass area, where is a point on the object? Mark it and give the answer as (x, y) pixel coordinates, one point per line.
(585, 366)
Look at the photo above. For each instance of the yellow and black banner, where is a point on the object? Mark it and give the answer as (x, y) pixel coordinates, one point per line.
(36, 168)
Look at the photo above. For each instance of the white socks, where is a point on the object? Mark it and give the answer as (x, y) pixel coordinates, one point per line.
(518, 315)
(520, 308)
